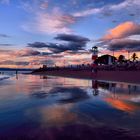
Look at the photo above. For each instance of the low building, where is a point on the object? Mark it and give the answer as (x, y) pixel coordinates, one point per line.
(106, 59)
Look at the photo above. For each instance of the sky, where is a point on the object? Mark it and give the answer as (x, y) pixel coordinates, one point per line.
(58, 32)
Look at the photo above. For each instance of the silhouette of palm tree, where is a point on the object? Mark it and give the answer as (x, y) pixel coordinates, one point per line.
(134, 56)
(121, 58)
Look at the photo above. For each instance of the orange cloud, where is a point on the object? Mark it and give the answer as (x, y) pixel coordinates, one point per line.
(123, 30)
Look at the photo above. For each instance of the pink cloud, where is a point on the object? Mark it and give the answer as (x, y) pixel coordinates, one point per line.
(44, 5)
(26, 53)
(53, 23)
(123, 30)
(29, 58)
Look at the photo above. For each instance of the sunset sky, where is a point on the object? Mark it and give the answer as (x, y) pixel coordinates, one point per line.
(36, 32)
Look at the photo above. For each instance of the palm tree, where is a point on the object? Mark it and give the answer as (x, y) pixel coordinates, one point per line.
(134, 57)
(121, 58)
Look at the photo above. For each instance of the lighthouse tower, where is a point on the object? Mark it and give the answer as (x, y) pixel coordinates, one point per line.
(94, 57)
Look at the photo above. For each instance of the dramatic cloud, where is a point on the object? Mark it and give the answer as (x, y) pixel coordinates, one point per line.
(57, 20)
(123, 30)
(35, 59)
(73, 43)
(124, 44)
(58, 48)
(37, 45)
(53, 23)
(27, 52)
(108, 10)
(71, 38)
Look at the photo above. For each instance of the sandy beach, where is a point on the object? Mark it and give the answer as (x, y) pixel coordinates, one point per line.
(120, 76)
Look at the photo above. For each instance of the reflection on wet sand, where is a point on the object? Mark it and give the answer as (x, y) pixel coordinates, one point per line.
(95, 87)
(122, 105)
(39, 94)
(57, 115)
(45, 107)
(63, 95)
(69, 95)
(118, 96)
(121, 98)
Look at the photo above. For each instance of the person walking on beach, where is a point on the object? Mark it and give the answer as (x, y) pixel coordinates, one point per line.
(17, 74)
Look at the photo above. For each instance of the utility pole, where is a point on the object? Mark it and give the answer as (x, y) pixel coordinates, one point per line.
(128, 55)
(64, 63)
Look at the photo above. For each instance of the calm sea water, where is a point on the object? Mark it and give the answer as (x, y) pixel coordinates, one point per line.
(53, 108)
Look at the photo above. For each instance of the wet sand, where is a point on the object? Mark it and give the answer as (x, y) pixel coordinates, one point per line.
(40, 107)
(119, 76)
(80, 131)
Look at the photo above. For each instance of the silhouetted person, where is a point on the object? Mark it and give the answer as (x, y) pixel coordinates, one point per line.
(16, 74)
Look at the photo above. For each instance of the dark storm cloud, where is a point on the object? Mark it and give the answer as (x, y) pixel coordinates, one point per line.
(72, 46)
(72, 38)
(37, 45)
(73, 43)
(58, 48)
(124, 44)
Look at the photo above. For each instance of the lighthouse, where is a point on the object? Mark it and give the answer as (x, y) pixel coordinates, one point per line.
(94, 57)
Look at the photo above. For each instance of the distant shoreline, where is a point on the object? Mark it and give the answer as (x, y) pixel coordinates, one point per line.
(14, 69)
(118, 76)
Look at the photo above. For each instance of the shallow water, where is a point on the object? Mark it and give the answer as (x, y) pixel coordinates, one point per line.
(46, 107)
